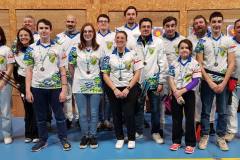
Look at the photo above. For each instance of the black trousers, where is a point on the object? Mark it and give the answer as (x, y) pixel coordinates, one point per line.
(177, 117)
(30, 118)
(124, 107)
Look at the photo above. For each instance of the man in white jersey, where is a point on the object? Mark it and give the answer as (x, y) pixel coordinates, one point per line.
(216, 55)
(29, 23)
(150, 49)
(67, 39)
(105, 38)
(232, 121)
(200, 30)
(130, 27)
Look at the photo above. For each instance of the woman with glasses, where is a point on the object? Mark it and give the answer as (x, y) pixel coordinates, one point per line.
(84, 66)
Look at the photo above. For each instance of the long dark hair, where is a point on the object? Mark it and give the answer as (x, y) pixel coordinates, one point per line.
(19, 45)
(82, 44)
(3, 40)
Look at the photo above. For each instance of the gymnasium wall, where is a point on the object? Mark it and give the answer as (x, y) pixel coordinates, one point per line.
(13, 11)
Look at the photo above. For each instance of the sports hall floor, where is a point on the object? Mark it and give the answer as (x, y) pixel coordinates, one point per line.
(145, 148)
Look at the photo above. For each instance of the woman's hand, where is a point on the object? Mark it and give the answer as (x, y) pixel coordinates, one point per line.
(29, 97)
(118, 93)
(125, 92)
(62, 96)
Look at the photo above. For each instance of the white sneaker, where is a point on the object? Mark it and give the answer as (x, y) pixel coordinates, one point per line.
(28, 140)
(138, 136)
(131, 144)
(8, 140)
(119, 144)
(157, 138)
(35, 140)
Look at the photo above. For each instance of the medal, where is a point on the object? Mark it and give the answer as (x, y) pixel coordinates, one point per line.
(42, 69)
(88, 72)
(215, 64)
(120, 78)
(144, 63)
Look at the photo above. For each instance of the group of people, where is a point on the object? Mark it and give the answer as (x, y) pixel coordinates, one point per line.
(122, 69)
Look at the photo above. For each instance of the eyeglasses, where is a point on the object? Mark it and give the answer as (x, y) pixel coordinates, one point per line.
(88, 31)
(101, 21)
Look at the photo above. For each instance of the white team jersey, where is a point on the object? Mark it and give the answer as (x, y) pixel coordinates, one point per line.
(215, 53)
(121, 68)
(184, 72)
(6, 57)
(154, 59)
(171, 47)
(106, 41)
(237, 56)
(133, 34)
(86, 78)
(45, 62)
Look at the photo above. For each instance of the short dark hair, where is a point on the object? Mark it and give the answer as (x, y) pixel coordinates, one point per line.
(168, 19)
(3, 40)
(235, 23)
(123, 32)
(130, 7)
(104, 16)
(145, 20)
(19, 44)
(46, 22)
(215, 14)
(200, 17)
(188, 42)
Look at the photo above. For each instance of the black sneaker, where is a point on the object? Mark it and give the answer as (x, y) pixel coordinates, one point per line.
(93, 142)
(84, 142)
(65, 144)
(69, 124)
(77, 123)
(39, 145)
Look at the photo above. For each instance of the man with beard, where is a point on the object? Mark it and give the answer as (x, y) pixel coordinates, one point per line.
(216, 55)
(66, 40)
(131, 27)
(200, 30)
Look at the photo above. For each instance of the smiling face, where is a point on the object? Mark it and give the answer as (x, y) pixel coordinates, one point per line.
(24, 37)
(103, 24)
(88, 33)
(44, 30)
(216, 24)
(237, 29)
(120, 40)
(131, 16)
(145, 28)
(199, 26)
(29, 23)
(184, 50)
(170, 28)
(71, 23)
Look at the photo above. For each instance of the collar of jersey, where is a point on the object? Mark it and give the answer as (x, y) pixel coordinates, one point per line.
(72, 35)
(116, 52)
(51, 43)
(184, 64)
(103, 35)
(171, 39)
(150, 40)
(235, 39)
(126, 26)
(209, 34)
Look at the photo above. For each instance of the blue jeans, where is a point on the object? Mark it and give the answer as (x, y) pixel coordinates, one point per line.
(88, 107)
(5, 110)
(43, 98)
(155, 105)
(207, 95)
(104, 108)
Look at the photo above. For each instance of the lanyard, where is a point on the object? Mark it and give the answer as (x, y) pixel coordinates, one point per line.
(216, 49)
(120, 65)
(43, 58)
